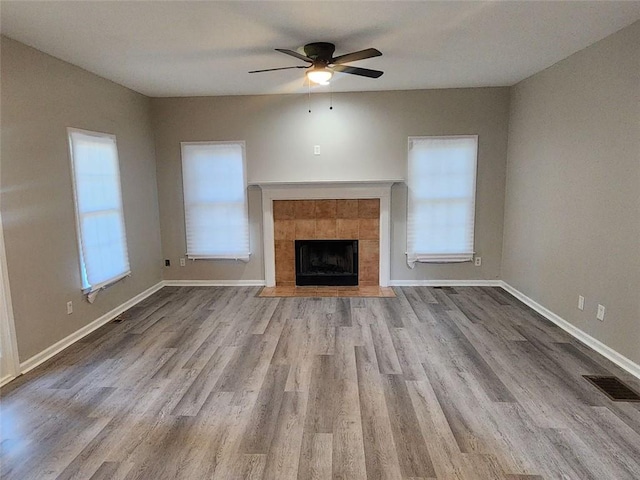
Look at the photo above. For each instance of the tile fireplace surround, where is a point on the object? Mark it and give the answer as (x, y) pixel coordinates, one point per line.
(358, 211)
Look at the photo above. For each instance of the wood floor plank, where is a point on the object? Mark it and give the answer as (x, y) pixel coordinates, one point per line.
(348, 448)
(198, 391)
(379, 447)
(241, 372)
(284, 451)
(264, 416)
(411, 447)
(408, 358)
(321, 409)
(443, 448)
(388, 362)
(453, 383)
(321, 461)
(111, 471)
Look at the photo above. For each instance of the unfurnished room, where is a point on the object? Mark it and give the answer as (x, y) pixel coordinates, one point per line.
(320, 240)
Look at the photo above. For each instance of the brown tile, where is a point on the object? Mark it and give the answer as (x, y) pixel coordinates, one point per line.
(347, 208)
(284, 229)
(268, 292)
(285, 277)
(325, 209)
(369, 251)
(327, 292)
(283, 209)
(368, 274)
(348, 291)
(284, 291)
(305, 209)
(305, 292)
(369, 229)
(347, 228)
(369, 208)
(284, 250)
(285, 285)
(325, 228)
(285, 265)
(305, 229)
(368, 262)
(360, 291)
(370, 291)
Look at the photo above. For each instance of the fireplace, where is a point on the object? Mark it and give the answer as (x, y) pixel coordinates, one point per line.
(326, 262)
(326, 211)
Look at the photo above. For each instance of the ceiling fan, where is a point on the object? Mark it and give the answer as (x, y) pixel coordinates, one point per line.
(322, 63)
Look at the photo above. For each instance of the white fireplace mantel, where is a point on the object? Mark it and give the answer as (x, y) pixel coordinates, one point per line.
(320, 191)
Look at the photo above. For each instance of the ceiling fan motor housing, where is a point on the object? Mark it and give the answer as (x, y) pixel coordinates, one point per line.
(320, 51)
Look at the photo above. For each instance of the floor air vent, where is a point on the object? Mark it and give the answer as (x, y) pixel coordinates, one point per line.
(613, 388)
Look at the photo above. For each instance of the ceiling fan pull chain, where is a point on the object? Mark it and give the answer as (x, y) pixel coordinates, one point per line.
(309, 83)
(330, 97)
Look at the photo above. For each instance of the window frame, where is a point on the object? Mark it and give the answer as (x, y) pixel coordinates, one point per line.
(87, 287)
(244, 256)
(422, 257)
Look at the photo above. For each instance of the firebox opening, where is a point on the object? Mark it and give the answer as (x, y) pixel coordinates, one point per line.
(326, 262)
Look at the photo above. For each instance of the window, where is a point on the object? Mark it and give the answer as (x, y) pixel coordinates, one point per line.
(101, 233)
(441, 200)
(215, 200)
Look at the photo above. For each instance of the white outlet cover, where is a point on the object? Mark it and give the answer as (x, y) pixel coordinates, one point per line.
(478, 261)
(600, 314)
(580, 302)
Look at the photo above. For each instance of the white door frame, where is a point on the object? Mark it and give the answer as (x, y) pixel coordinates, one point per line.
(9, 365)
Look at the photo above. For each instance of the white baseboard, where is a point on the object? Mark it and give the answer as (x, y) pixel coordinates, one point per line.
(445, 283)
(214, 283)
(6, 379)
(607, 352)
(56, 348)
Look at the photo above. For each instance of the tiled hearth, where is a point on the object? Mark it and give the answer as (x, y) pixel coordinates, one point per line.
(327, 292)
(354, 219)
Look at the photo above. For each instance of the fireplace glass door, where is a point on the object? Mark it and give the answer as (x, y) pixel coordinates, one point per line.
(326, 262)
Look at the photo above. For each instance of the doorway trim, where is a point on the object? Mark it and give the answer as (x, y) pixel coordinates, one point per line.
(9, 364)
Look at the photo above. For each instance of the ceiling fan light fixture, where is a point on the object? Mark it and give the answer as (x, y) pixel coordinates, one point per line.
(321, 76)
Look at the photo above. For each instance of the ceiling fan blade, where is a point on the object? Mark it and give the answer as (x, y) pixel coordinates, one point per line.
(273, 69)
(294, 54)
(363, 72)
(359, 55)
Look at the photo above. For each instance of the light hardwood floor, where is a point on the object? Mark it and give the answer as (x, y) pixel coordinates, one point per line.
(198, 383)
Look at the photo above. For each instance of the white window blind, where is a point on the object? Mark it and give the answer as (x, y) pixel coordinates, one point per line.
(441, 199)
(215, 200)
(101, 232)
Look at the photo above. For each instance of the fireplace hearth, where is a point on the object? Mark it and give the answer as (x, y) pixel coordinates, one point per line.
(326, 262)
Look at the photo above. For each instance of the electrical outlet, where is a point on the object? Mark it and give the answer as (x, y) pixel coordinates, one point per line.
(580, 302)
(316, 149)
(182, 262)
(69, 307)
(478, 261)
(167, 263)
(600, 314)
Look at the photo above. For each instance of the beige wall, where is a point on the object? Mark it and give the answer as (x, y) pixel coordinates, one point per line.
(40, 97)
(572, 219)
(363, 138)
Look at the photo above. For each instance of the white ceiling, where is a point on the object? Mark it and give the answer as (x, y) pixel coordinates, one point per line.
(162, 48)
